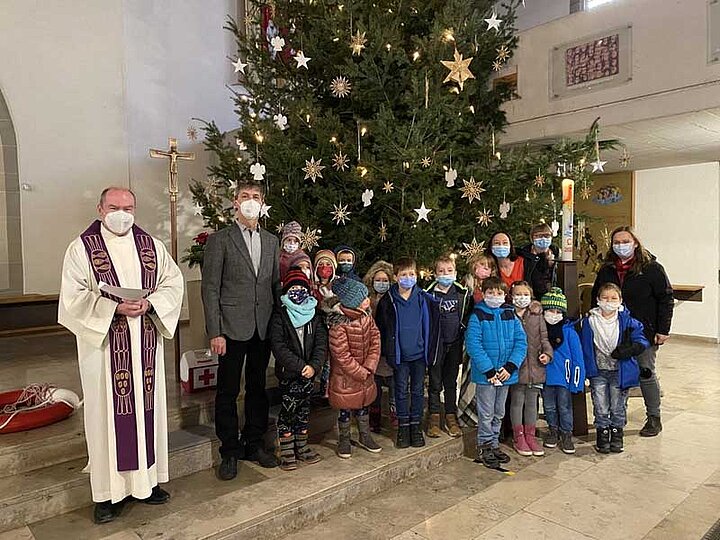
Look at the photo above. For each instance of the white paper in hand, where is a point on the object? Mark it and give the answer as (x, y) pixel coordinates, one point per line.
(121, 292)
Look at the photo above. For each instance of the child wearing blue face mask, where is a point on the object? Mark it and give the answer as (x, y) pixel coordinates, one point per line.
(496, 343)
(455, 306)
(346, 261)
(298, 339)
(409, 323)
(539, 259)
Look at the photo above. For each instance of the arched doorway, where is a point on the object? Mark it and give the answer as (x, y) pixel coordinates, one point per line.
(11, 278)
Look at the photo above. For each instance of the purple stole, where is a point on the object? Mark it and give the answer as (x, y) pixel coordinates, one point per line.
(126, 441)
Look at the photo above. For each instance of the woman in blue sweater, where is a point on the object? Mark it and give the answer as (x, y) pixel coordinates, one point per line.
(496, 344)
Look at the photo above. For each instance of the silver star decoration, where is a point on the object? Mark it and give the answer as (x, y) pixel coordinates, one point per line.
(277, 43)
(367, 197)
(198, 209)
(302, 60)
(450, 177)
(472, 249)
(265, 210)
(472, 189)
(598, 165)
(504, 209)
(340, 161)
(422, 212)
(239, 66)
(493, 22)
(258, 171)
(340, 214)
(313, 169)
(281, 121)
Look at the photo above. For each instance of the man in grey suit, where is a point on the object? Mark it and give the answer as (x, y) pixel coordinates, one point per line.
(240, 284)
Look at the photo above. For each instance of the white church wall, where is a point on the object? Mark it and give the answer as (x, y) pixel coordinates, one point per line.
(177, 68)
(677, 216)
(61, 71)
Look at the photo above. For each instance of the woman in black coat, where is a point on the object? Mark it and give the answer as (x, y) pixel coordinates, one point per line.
(647, 293)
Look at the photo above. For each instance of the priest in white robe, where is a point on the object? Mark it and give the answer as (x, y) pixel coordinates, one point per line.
(120, 351)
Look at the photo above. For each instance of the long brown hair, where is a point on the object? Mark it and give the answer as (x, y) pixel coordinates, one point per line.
(642, 256)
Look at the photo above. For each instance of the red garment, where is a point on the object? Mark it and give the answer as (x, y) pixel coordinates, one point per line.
(477, 295)
(622, 268)
(517, 274)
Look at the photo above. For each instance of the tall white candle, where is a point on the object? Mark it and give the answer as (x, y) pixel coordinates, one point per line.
(568, 208)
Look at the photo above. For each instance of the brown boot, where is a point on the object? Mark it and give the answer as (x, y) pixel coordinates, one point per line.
(452, 426)
(433, 430)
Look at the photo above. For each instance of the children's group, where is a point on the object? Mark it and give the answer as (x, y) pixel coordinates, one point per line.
(502, 330)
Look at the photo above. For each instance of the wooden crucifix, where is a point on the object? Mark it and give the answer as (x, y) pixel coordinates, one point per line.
(173, 155)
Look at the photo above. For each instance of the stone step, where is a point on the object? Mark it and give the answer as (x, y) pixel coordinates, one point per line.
(61, 487)
(260, 503)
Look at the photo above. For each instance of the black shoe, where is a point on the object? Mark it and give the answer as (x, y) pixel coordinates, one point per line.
(551, 439)
(603, 440)
(403, 437)
(652, 427)
(158, 496)
(228, 468)
(416, 436)
(105, 512)
(261, 456)
(616, 440)
(501, 456)
(566, 442)
(487, 457)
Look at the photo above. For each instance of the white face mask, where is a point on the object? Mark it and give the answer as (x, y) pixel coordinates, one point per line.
(290, 246)
(553, 318)
(521, 300)
(494, 301)
(250, 209)
(119, 222)
(608, 307)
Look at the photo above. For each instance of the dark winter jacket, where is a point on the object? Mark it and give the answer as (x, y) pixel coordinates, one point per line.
(532, 371)
(354, 356)
(466, 302)
(290, 357)
(538, 272)
(648, 295)
(631, 342)
(494, 339)
(567, 367)
(386, 319)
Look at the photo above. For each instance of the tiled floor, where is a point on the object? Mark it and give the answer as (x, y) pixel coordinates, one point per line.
(666, 487)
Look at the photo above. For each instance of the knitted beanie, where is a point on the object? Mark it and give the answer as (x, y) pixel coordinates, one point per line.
(296, 258)
(554, 299)
(294, 277)
(350, 292)
(291, 230)
(325, 254)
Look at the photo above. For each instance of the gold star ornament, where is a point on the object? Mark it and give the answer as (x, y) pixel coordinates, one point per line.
(340, 161)
(484, 218)
(388, 187)
(585, 192)
(426, 162)
(472, 189)
(357, 43)
(472, 249)
(340, 87)
(310, 239)
(459, 69)
(382, 232)
(503, 53)
(340, 214)
(313, 169)
(539, 181)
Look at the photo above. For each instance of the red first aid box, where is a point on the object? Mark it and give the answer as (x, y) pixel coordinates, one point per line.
(198, 370)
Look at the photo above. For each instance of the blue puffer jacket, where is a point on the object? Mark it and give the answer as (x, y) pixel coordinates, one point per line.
(631, 330)
(567, 367)
(495, 338)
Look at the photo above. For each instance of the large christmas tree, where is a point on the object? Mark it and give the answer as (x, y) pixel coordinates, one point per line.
(374, 124)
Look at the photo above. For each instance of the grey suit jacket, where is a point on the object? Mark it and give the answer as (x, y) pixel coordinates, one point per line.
(237, 302)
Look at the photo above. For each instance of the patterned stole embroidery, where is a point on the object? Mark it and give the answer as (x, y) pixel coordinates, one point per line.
(126, 441)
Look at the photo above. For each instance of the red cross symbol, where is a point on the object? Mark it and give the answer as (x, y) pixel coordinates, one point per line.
(206, 377)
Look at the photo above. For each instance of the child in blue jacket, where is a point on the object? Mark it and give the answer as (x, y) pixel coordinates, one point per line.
(564, 375)
(496, 344)
(611, 339)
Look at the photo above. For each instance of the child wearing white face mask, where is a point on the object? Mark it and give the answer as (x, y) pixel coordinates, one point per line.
(289, 245)
(611, 339)
(565, 375)
(525, 394)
